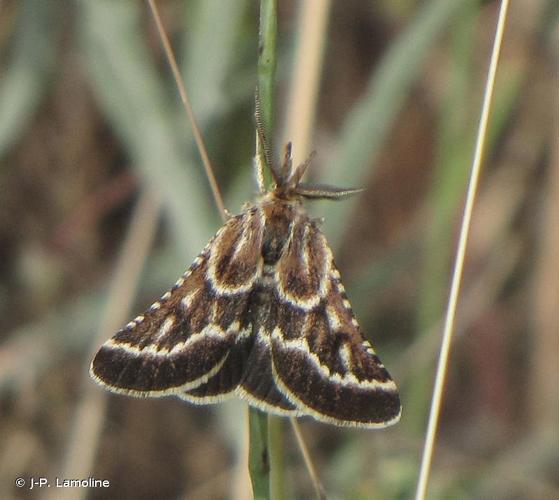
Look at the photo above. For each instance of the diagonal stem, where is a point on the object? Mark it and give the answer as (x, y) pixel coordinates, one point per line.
(188, 108)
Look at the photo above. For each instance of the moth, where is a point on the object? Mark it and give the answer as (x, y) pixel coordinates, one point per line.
(261, 314)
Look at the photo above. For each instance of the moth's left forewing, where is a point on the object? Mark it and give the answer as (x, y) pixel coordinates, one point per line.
(183, 340)
(320, 358)
(170, 347)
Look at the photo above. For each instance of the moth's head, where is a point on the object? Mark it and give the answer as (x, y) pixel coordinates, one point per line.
(288, 185)
(287, 178)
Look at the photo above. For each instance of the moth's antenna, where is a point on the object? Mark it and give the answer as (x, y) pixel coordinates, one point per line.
(259, 166)
(302, 168)
(188, 108)
(286, 169)
(262, 146)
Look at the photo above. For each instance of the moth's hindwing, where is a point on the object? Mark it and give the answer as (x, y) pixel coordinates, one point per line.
(222, 385)
(258, 386)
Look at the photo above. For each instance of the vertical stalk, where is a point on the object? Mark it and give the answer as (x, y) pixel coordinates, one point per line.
(264, 449)
(258, 458)
(277, 462)
(267, 56)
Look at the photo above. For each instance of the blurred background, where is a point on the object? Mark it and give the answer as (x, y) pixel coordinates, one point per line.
(104, 204)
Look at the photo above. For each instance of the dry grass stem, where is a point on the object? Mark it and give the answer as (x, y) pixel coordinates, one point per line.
(188, 108)
(442, 365)
(317, 485)
(305, 76)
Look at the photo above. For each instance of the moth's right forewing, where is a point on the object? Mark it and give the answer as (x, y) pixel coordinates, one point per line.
(321, 362)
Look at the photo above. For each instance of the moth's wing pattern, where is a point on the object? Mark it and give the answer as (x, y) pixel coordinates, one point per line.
(258, 386)
(247, 372)
(321, 361)
(225, 381)
(186, 338)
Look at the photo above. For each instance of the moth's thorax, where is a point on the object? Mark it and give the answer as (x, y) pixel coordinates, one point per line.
(280, 216)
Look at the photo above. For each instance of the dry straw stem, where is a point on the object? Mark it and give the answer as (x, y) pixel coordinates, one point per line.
(305, 76)
(442, 365)
(90, 412)
(317, 485)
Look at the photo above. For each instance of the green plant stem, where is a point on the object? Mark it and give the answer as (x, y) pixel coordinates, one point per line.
(277, 461)
(258, 458)
(267, 51)
(265, 450)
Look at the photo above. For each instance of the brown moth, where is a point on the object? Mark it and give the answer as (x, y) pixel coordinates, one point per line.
(261, 314)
